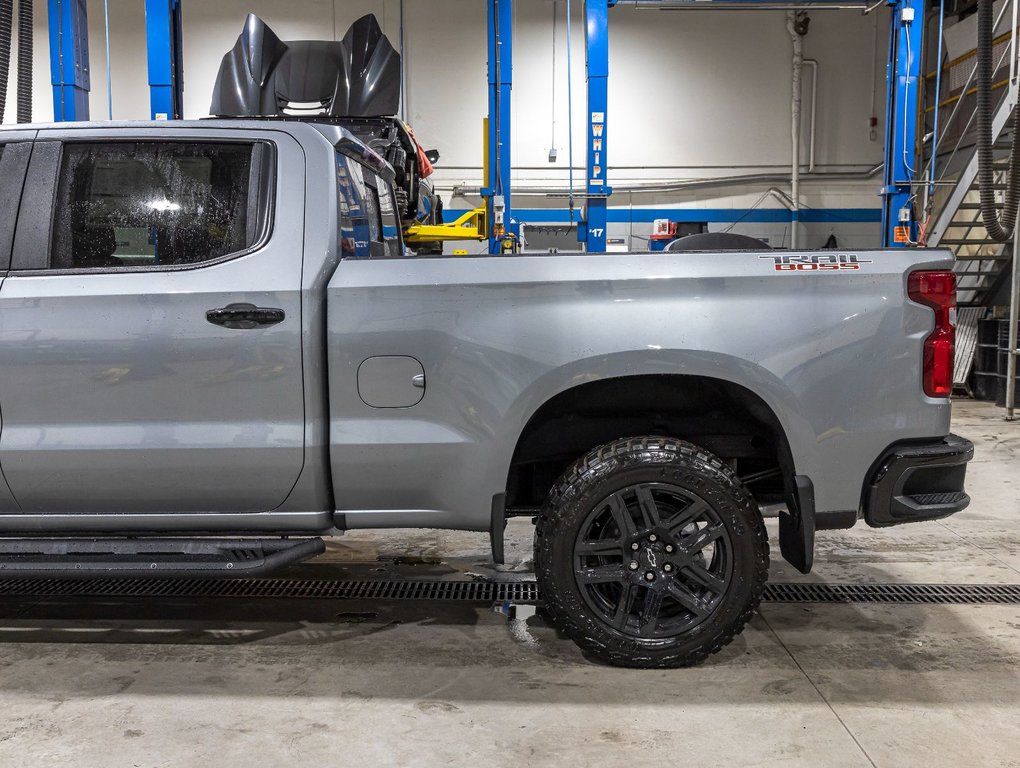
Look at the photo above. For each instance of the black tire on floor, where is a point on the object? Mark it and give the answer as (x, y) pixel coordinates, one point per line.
(650, 553)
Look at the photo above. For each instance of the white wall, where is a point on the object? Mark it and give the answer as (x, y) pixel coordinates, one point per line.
(693, 94)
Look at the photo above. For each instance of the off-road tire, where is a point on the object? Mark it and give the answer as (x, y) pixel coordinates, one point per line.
(614, 468)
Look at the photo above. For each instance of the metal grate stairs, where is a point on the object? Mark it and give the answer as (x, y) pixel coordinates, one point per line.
(981, 262)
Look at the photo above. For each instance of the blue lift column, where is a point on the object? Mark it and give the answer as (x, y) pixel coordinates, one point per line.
(166, 65)
(899, 229)
(69, 59)
(592, 231)
(503, 232)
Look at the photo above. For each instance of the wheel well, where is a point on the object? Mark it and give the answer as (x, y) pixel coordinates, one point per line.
(724, 418)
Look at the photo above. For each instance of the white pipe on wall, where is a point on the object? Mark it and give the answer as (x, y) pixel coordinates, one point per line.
(798, 66)
(754, 179)
(813, 63)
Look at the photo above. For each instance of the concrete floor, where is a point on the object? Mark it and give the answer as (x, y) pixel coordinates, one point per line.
(220, 683)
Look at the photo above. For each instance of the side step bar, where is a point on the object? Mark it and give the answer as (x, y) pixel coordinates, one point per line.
(151, 558)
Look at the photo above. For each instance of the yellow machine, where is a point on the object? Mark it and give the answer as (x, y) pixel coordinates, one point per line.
(470, 226)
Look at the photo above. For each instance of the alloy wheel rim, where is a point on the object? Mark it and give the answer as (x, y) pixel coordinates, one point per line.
(653, 560)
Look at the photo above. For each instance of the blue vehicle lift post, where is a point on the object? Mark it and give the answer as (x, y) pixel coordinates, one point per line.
(502, 231)
(906, 36)
(69, 59)
(166, 65)
(592, 231)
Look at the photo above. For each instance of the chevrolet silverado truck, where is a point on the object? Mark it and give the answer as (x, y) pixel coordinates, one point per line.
(216, 351)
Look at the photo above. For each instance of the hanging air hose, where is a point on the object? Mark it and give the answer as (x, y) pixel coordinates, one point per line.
(6, 16)
(25, 61)
(999, 230)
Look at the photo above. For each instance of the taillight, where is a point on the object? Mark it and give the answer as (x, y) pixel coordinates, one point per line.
(938, 291)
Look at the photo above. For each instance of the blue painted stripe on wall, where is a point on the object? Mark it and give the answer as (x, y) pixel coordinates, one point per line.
(712, 215)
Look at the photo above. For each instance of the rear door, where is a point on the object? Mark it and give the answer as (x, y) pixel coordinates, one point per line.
(15, 151)
(151, 338)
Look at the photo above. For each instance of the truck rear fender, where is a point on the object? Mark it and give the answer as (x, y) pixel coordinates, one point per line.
(730, 405)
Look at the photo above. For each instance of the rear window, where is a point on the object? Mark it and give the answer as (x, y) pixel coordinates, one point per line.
(153, 204)
(368, 227)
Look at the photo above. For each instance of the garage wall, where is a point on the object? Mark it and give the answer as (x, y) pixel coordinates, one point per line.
(693, 94)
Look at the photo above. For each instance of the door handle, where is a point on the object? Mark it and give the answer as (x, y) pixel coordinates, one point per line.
(245, 317)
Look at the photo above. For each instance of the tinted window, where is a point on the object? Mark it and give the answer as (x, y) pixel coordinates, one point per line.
(368, 223)
(152, 204)
(387, 210)
(363, 205)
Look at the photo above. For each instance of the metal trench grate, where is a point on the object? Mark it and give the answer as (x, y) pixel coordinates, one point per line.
(942, 594)
(484, 591)
(326, 589)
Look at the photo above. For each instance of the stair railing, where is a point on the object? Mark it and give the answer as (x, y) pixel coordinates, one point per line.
(930, 168)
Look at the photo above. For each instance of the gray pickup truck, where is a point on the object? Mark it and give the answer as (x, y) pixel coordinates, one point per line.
(216, 350)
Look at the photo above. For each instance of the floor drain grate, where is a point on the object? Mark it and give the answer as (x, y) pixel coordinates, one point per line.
(944, 594)
(485, 591)
(396, 589)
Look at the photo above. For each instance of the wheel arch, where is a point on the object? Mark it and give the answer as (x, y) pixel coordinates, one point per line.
(728, 416)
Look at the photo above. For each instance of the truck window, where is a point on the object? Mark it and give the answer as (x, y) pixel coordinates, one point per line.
(368, 224)
(152, 204)
(388, 214)
(362, 202)
(346, 204)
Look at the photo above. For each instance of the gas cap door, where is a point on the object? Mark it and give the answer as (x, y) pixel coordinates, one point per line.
(391, 382)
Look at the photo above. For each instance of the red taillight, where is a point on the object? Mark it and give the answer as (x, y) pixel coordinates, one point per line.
(938, 291)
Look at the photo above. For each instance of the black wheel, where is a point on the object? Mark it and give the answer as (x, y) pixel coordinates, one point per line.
(650, 553)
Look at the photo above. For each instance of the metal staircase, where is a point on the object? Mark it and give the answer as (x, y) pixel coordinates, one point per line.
(951, 197)
(982, 264)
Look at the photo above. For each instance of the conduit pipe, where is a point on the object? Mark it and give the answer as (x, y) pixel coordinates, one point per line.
(781, 197)
(999, 229)
(462, 190)
(798, 67)
(6, 30)
(813, 63)
(25, 55)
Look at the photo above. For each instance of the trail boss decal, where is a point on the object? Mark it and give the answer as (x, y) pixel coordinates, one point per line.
(819, 262)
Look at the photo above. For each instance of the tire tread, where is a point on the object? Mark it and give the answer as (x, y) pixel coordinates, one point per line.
(599, 462)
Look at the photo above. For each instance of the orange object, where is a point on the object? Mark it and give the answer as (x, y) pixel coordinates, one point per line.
(424, 165)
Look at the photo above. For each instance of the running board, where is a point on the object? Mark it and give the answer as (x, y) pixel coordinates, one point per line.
(150, 558)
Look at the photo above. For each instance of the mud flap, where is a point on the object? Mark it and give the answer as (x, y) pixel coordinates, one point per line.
(797, 526)
(497, 525)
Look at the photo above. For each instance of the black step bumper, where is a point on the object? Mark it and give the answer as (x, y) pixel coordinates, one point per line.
(914, 482)
(205, 558)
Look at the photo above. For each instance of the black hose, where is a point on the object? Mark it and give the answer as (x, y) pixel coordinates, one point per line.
(25, 35)
(999, 230)
(6, 17)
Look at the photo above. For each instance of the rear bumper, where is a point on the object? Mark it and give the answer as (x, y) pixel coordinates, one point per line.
(916, 482)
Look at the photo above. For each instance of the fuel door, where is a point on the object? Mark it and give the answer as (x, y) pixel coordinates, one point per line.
(391, 382)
